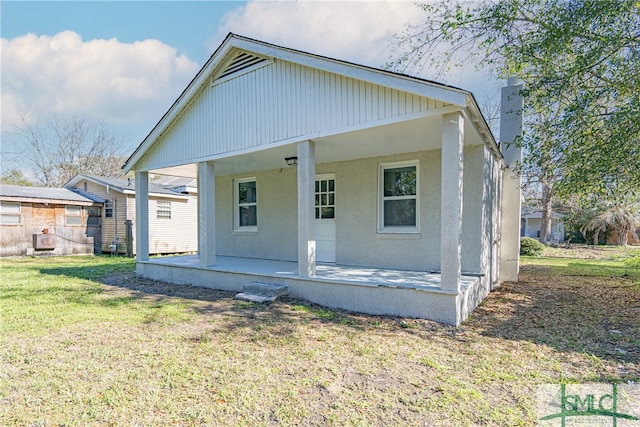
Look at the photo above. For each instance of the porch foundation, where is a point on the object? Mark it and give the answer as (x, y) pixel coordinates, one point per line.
(370, 291)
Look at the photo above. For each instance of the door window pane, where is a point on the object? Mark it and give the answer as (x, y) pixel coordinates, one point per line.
(325, 199)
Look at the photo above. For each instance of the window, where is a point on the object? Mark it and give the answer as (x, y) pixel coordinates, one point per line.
(398, 212)
(246, 204)
(73, 215)
(9, 212)
(108, 208)
(325, 198)
(93, 215)
(163, 210)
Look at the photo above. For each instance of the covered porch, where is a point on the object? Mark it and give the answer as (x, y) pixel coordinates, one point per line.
(406, 293)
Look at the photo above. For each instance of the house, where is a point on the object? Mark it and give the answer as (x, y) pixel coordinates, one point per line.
(352, 187)
(172, 212)
(531, 224)
(46, 221)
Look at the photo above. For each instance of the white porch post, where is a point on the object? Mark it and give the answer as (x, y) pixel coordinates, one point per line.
(142, 216)
(510, 129)
(207, 213)
(451, 201)
(306, 209)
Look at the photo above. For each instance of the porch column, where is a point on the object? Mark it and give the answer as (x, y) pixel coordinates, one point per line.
(206, 213)
(142, 216)
(306, 209)
(510, 128)
(451, 201)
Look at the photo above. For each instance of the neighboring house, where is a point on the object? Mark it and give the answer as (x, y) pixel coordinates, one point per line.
(355, 187)
(633, 238)
(172, 212)
(46, 221)
(531, 224)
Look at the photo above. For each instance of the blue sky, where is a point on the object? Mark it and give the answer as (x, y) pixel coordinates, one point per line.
(186, 25)
(124, 63)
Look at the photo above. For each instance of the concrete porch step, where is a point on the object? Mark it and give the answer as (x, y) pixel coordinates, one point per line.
(262, 292)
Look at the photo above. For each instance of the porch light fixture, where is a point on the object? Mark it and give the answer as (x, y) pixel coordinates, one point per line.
(291, 161)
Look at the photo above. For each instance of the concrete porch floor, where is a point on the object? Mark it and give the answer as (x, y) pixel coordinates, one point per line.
(333, 273)
(360, 289)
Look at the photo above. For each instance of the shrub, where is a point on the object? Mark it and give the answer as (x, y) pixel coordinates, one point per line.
(531, 247)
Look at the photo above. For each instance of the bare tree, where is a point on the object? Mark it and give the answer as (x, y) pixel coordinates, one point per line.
(64, 148)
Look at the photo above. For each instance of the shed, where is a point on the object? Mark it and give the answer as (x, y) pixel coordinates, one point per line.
(46, 221)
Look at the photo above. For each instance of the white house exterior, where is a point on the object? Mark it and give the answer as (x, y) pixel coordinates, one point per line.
(531, 224)
(395, 204)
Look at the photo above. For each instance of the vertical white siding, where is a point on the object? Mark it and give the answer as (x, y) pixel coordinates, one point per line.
(275, 103)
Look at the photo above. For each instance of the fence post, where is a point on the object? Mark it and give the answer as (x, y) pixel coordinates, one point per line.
(129, 241)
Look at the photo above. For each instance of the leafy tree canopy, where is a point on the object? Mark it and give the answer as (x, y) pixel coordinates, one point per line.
(15, 177)
(580, 62)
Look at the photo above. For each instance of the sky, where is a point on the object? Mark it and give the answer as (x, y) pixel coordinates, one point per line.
(125, 62)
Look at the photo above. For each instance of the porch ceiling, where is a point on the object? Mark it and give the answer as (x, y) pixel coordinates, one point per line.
(405, 137)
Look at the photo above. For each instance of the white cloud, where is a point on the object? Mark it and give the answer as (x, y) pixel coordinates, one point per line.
(119, 83)
(359, 32)
(355, 31)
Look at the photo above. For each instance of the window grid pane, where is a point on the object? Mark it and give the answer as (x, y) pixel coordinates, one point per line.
(325, 199)
(163, 210)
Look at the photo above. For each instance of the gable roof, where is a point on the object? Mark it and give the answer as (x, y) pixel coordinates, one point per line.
(249, 53)
(42, 194)
(124, 185)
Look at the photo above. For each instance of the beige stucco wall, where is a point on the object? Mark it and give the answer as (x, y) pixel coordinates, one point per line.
(357, 241)
(276, 237)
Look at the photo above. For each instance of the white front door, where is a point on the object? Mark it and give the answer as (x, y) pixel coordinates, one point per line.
(326, 218)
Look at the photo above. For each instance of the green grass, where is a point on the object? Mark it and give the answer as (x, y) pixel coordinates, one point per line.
(84, 342)
(607, 261)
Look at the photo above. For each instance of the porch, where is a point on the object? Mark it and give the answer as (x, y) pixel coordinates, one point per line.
(368, 290)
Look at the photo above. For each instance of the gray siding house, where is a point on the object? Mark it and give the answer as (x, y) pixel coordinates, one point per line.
(355, 187)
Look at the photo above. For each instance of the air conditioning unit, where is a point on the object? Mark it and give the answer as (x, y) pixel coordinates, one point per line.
(43, 242)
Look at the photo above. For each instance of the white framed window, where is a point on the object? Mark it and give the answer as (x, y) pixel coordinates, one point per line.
(73, 215)
(163, 209)
(399, 201)
(9, 212)
(245, 195)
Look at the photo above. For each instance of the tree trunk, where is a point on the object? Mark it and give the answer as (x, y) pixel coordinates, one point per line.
(547, 213)
(623, 236)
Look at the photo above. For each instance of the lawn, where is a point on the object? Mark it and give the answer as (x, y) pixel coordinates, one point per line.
(83, 342)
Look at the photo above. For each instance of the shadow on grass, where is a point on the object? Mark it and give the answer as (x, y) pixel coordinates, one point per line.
(120, 287)
(596, 314)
